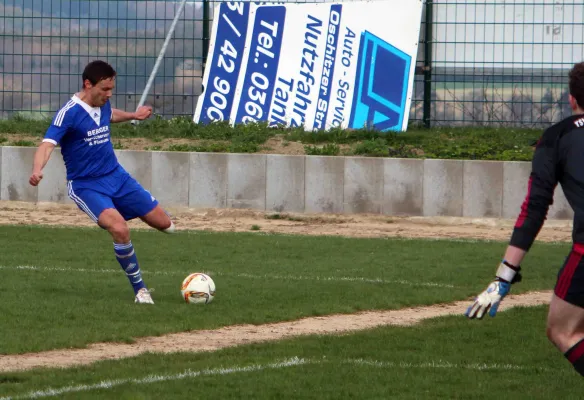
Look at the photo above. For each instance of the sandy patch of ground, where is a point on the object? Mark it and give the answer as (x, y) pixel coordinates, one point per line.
(234, 220)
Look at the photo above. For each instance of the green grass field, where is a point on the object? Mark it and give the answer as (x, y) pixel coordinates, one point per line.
(446, 358)
(62, 288)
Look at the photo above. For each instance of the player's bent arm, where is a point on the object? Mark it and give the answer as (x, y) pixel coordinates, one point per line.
(41, 157)
(514, 255)
(141, 113)
(542, 183)
(540, 195)
(121, 116)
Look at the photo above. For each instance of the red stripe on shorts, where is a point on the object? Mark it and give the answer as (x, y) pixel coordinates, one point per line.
(576, 353)
(569, 270)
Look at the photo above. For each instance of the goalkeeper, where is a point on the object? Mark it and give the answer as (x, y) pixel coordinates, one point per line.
(558, 158)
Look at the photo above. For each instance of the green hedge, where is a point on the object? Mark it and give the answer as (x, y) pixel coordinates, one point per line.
(474, 143)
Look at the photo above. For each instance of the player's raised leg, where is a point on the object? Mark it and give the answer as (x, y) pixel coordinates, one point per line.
(133, 201)
(111, 220)
(565, 324)
(159, 219)
(565, 329)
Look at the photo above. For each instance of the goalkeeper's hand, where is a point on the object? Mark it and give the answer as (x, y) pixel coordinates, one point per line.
(490, 299)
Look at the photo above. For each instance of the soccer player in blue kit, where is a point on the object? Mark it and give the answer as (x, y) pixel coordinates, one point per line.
(96, 181)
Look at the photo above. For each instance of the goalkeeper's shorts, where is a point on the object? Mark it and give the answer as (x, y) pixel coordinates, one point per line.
(570, 283)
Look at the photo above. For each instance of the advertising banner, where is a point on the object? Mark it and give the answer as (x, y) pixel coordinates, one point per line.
(316, 66)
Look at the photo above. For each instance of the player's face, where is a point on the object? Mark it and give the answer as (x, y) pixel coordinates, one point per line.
(102, 91)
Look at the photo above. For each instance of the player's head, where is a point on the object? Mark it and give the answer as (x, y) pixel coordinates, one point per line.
(98, 82)
(576, 86)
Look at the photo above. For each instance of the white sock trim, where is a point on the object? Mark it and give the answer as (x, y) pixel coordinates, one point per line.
(126, 255)
(170, 229)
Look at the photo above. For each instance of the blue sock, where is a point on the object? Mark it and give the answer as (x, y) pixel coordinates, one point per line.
(127, 258)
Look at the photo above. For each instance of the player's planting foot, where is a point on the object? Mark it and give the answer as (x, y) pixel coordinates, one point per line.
(143, 296)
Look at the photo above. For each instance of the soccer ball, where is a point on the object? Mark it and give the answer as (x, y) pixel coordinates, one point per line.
(198, 288)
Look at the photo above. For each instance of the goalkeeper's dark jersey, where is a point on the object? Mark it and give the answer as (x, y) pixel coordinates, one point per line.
(558, 158)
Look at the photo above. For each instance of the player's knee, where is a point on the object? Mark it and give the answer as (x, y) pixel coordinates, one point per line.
(120, 232)
(559, 335)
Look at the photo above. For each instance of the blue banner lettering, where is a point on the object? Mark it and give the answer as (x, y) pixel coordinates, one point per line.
(223, 73)
(328, 68)
(264, 56)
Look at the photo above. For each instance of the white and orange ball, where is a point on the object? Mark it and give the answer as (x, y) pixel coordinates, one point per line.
(198, 288)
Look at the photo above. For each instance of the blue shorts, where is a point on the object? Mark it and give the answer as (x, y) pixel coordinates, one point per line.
(116, 190)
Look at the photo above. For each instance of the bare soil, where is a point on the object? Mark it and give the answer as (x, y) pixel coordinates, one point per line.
(240, 220)
(233, 220)
(274, 145)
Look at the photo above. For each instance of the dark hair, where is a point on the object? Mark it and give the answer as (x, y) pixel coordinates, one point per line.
(96, 71)
(577, 83)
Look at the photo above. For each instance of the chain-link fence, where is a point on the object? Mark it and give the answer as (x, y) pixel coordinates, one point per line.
(501, 62)
(46, 43)
(490, 62)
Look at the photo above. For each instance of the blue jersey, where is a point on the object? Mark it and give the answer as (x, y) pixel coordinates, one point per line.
(84, 135)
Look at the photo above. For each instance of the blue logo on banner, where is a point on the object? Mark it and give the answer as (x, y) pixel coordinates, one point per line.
(381, 85)
(227, 54)
(264, 56)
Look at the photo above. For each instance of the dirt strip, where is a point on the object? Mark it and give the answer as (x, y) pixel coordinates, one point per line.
(236, 220)
(210, 340)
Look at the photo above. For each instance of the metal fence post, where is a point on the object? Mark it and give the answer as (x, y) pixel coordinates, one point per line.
(160, 57)
(428, 64)
(206, 32)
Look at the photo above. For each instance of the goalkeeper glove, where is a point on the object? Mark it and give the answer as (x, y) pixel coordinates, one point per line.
(491, 297)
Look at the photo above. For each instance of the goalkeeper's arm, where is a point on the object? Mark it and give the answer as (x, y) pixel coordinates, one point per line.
(540, 193)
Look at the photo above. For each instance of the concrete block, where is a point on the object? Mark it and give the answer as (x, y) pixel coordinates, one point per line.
(443, 188)
(138, 164)
(324, 184)
(246, 181)
(560, 209)
(403, 186)
(515, 181)
(208, 181)
(16, 170)
(170, 177)
(53, 187)
(482, 189)
(285, 183)
(363, 185)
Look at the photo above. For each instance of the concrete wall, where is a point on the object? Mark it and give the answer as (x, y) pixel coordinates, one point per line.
(310, 184)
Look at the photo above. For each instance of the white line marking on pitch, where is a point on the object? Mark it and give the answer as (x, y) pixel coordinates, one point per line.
(291, 362)
(245, 275)
(445, 364)
(159, 378)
